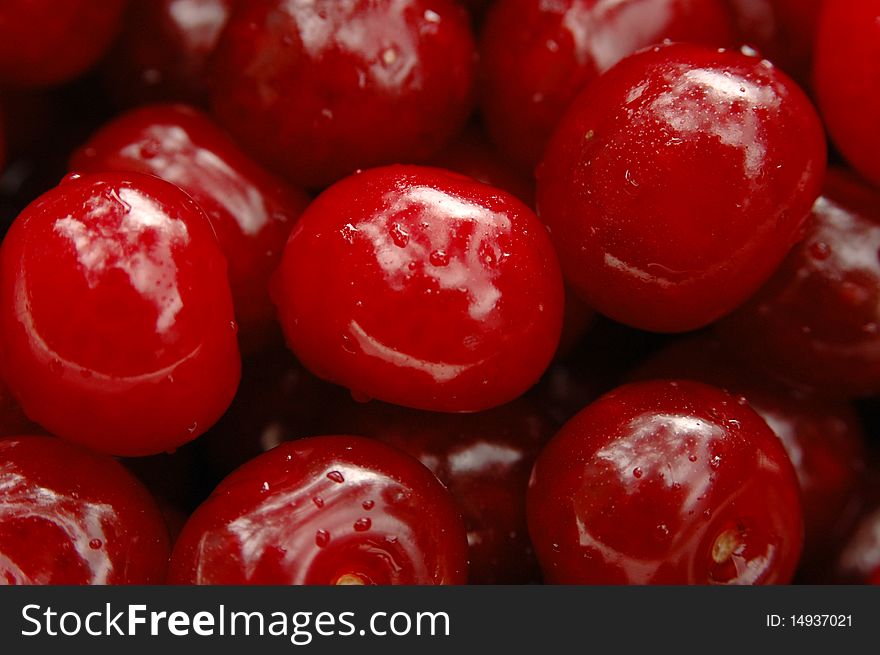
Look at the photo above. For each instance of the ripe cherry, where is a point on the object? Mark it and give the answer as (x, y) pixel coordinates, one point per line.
(665, 483)
(45, 42)
(319, 89)
(817, 322)
(332, 510)
(677, 182)
(822, 436)
(251, 210)
(69, 516)
(116, 320)
(536, 56)
(484, 459)
(846, 71)
(423, 288)
(164, 48)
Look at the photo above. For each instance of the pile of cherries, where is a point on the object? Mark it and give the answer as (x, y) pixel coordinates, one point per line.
(439, 291)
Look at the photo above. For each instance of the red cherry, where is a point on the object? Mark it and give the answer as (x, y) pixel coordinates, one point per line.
(823, 437)
(115, 316)
(251, 211)
(537, 56)
(325, 510)
(817, 322)
(322, 88)
(472, 155)
(782, 30)
(846, 75)
(484, 459)
(665, 483)
(46, 42)
(423, 288)
(677, 182)
(68, 516)
(164, 50)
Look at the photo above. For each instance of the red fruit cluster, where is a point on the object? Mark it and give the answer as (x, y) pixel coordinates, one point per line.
(371, 292)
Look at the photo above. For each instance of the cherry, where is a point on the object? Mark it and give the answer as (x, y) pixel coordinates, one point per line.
(846, 72)
(782, 30)
(484, 459)
(69, 516)
(665, 483)
(319, 89)
(116, 320)
(423, 288)
(537, 56)
(325, 510)
(251, 210)
(817, 322)
(45, 42)
(474, 156)
(823, 437)
(677, 182)
(164, 50)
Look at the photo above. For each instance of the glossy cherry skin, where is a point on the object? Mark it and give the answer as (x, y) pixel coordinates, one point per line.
(846, 77)
(473, 155)
(45, 42)
(423, 288)
(484, 459)
(677, 182)
(319, 89)
(784, 31)
(325, 510)
(665, 483)
(116, 325)
(817, 322)
(164, 50)
(70, 516)
(536, 56)
(251, 210)
(822, 436)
